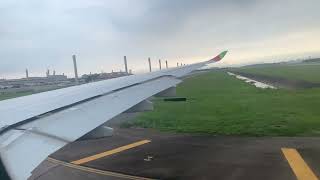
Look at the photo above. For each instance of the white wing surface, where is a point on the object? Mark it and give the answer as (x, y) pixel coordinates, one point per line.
(33, 127)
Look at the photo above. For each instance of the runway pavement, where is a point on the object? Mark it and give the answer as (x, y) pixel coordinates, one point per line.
(149, 154)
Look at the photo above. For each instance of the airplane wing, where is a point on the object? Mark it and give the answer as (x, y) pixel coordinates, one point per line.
(33, 127)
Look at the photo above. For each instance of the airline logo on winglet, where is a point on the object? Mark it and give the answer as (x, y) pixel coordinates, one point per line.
(219, 57)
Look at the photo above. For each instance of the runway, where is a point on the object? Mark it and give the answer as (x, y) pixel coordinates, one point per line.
(180, 156)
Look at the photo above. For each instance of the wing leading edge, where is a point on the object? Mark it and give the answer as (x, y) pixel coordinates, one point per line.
(78, 110)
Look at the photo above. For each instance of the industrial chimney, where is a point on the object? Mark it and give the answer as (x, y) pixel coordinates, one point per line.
(125, 64)
(27, 74)
(149, 64)
(75, 68)
(166, 64)
(160, 64)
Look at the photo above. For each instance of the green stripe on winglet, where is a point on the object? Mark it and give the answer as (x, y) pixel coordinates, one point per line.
(221, 55)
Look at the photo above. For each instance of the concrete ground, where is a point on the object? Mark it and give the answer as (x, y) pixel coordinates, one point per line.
(179, 156)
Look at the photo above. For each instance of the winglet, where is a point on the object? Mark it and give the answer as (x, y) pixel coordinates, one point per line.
(219, 57)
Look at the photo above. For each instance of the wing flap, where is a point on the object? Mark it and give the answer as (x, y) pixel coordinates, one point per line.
(26, 151)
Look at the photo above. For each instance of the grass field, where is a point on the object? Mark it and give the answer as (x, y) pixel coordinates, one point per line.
(303, 71)
(219, 104)
(13, 95)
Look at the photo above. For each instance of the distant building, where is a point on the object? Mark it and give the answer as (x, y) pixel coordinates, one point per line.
(57, 77)
(34, 84)
(103, 76)
(51, 81)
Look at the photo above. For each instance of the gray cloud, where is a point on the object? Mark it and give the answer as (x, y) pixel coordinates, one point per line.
(44, 34)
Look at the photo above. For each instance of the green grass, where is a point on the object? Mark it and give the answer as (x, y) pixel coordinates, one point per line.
(303, 71)
(219, 104)
(13, 95)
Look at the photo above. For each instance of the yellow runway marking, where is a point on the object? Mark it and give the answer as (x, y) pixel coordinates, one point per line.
(108, 153)
(298, 165)
(96, 171)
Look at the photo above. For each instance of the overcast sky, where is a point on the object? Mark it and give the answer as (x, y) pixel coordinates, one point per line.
(41, 34)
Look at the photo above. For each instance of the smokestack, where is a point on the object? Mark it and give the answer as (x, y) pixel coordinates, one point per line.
(48, 72)
(125, 64)
(75, 68)
(54, 72)
(27, 74)
(177, 64)
(167, 64)
(149, 64)
(160, 64)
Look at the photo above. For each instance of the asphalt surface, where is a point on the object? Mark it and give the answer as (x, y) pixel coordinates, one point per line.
(179, 156)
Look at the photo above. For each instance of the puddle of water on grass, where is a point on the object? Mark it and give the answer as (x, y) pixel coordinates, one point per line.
(253, 82)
